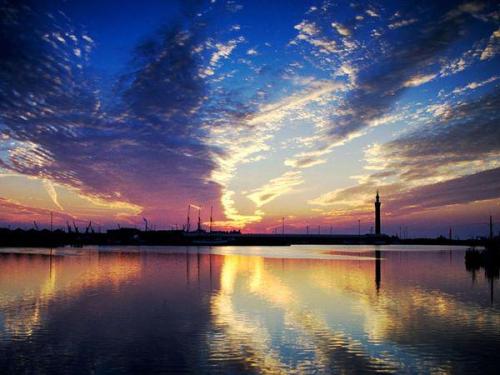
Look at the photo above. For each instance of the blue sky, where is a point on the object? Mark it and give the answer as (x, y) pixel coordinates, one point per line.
(260, 109)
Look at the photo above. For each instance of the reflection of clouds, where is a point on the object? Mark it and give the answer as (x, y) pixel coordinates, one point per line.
(241, 335)
(331, 313)
(441, 306)
(322, 348)
(404, 316)
(32, 282)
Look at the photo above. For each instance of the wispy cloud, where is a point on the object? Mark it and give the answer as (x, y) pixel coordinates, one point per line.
(493, 46)
(479, 186)
(49, 186)
(474, 85)
(433, 165)
(275, 188)
(402, 23)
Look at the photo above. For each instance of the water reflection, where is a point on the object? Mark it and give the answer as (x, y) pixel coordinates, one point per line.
(491, 265)
(324, 309)
(378, 274)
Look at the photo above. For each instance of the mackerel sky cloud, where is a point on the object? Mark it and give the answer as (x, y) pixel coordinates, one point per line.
(116, 111)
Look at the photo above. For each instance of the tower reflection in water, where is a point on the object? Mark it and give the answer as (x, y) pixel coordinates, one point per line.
(201, 310)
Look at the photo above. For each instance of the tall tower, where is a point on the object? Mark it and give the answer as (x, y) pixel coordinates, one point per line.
(377, 214)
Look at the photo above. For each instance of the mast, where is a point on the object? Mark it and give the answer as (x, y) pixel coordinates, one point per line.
(211, 212)
(199, 219)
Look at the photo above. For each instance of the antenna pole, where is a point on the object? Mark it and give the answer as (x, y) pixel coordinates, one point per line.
(211, 219)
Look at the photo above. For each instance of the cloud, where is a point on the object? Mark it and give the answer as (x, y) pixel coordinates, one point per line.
(372, 13)
(310, 33)
(402, 23)
(353, 196)
(175, 131)
(13, 212)
(341, 29)
(419, 79)
(380, 85)
(451, 160)
(305, 160)
(316, 91)
(275, 188)
(221, 51)
(475, 187)
(493, 46)
(146, 147)
(379, 76)
(467, 134)
(474, 85)
(49, 186)
(246, 132)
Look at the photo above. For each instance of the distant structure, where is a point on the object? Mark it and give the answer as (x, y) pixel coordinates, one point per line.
(198, 229)
(377, 214)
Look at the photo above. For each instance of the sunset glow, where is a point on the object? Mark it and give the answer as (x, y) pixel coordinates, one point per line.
(118, 112)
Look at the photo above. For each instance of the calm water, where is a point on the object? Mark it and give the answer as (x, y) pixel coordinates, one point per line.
(299, 309)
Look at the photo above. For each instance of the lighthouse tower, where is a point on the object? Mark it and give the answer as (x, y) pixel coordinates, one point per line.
(377, 214)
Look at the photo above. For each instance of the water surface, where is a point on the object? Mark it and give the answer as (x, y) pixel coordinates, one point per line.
(298, 309)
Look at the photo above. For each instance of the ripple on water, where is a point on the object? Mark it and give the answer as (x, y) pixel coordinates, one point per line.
(178, 310)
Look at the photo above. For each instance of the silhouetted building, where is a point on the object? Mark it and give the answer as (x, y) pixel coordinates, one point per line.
(377, 214)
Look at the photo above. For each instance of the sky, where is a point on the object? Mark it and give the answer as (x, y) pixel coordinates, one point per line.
(115, 111)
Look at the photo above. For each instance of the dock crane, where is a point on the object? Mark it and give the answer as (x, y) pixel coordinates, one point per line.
(145, 224)
(188, 222)
(76, 228)
(35, 225)
(89, 228)
(69, 227)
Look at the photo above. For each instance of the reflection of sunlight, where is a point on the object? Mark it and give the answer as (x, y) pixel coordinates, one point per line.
(255, 343)
(313, 336)
(352, 280)
(312, 326)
